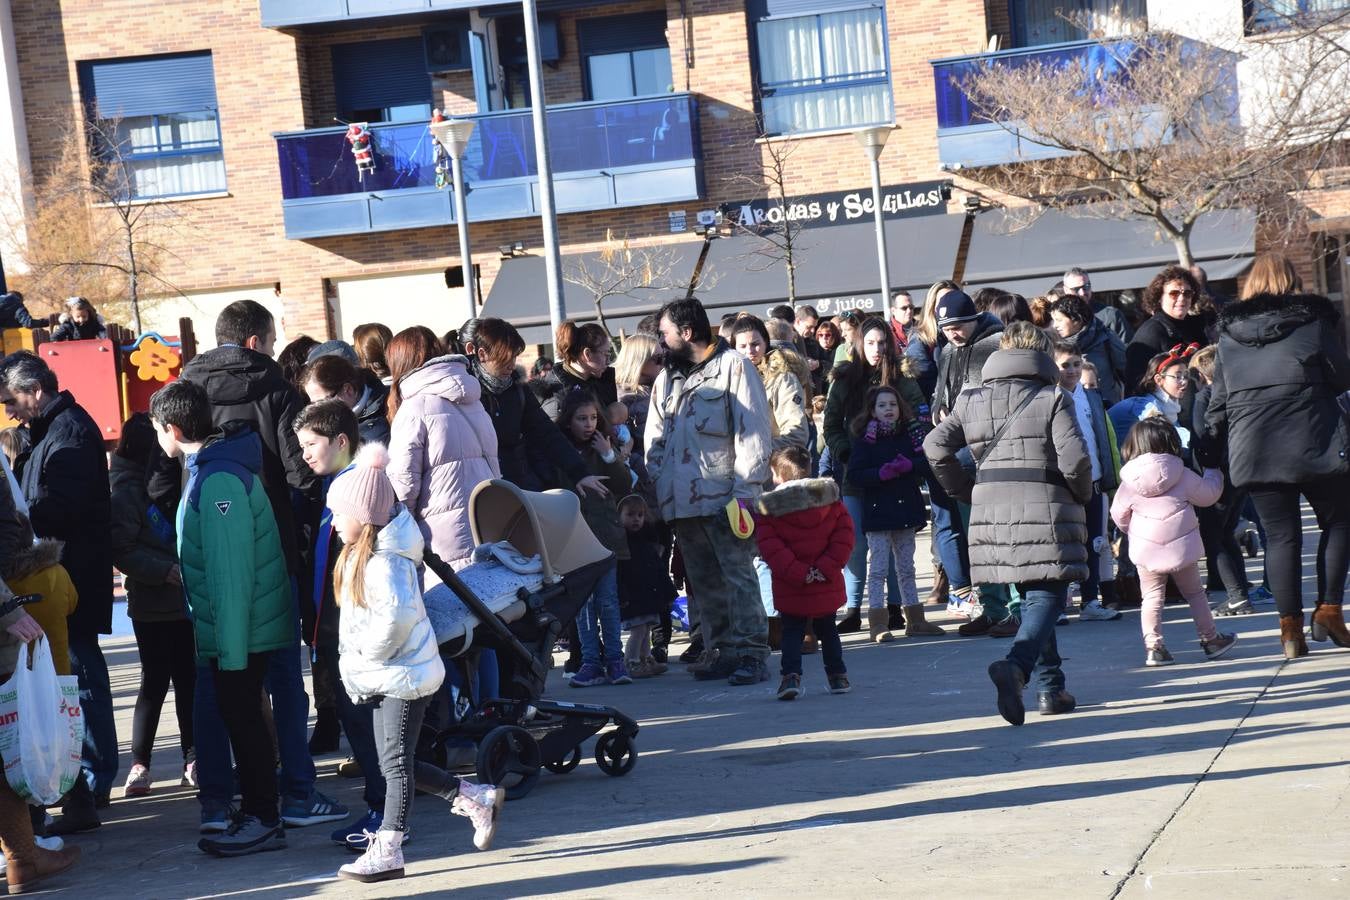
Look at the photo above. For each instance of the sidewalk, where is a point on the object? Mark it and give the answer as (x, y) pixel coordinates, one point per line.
(1224, 779)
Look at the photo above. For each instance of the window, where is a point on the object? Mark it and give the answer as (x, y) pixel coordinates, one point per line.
(158, 122)
(625, 56)
(1276, 15)
(824, 70)
(1036, 23)
(382, 81)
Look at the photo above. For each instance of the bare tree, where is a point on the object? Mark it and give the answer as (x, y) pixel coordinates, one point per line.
(622, 270)
(1166, 127)
(87, 234)
(780, 223)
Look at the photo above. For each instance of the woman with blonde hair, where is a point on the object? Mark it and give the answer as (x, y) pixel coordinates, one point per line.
(923, 352)
(1279, 373)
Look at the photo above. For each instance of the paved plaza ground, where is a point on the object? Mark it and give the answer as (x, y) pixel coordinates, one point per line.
(1225, 779)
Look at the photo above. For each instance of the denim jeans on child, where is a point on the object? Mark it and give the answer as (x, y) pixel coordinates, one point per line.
(1034, 648)
(290, 710)
(397, 723)
(358, 725)
(949, 536)
(827, 632)
(599, 621)
(855, 571)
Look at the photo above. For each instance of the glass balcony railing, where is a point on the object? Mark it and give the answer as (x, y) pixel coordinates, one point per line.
(1107, 61)
(590, 137)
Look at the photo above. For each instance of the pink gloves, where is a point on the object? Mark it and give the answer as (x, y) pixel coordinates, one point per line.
(901, 465)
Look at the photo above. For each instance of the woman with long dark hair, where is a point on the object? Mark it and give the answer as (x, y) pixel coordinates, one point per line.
(1279, 373)
(875, 362)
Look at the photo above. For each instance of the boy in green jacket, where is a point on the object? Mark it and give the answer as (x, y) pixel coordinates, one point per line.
(238, 592)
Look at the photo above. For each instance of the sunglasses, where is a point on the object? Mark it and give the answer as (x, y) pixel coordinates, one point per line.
(903, 308)
(1174, 295)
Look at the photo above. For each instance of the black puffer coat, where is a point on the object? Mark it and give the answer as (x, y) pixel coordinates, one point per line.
(65, 481)
(247, 386)
(1279, 371)
(1027, 521)
(529, 446)
(372, 411)
(553, 388)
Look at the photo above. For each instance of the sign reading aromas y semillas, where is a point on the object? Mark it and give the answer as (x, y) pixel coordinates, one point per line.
(920, 198)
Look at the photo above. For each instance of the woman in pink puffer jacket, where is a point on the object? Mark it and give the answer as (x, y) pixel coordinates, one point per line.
(441, 445)
(1155, 506)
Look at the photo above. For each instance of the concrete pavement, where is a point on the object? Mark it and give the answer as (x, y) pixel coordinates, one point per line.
(1224, 779)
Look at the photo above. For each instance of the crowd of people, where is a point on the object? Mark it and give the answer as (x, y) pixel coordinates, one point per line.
(1070, 460)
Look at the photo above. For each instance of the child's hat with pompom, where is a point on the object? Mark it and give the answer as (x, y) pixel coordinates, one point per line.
(364, 491)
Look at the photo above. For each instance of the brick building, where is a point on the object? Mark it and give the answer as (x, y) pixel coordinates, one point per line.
(658, 111)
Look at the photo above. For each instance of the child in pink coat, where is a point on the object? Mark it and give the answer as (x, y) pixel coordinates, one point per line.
(1155, 506)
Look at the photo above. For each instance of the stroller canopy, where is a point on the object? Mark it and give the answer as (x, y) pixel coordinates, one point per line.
(548, 524)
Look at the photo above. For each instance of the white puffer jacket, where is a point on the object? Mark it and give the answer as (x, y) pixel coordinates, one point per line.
(386, 648)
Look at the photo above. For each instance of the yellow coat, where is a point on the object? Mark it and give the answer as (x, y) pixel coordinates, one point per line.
(39, 571)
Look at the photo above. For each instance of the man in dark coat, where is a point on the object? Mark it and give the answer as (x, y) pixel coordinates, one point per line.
(244, 383)
(972, 338)
(65, 481)
(13, 314)
(1079, 283)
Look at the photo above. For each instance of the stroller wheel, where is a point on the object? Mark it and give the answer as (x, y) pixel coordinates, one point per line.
(566, 764)
(615, 754)
(509, 758)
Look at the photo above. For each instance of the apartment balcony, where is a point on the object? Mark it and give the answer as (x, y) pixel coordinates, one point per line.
(302, 14)
(965, 139)
(604, 155)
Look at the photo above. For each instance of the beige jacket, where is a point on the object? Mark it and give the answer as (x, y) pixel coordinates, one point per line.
(708, 435)
(787, 401)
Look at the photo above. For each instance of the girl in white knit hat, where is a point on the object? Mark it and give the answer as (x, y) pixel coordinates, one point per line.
(388, 657)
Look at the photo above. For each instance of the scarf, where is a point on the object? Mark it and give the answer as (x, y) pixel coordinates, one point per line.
(878, 429)
(1171, 409)
(494, 384)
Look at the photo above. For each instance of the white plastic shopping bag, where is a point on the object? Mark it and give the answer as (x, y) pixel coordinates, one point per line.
(41, 727)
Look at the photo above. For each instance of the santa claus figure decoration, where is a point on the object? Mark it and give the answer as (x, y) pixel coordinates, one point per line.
(358, 135)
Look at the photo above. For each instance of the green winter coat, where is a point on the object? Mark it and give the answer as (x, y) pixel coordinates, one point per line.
(234, 570)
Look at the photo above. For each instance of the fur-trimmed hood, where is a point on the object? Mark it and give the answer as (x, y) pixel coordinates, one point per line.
(787, 361)
(1267, 318)
(795, 496)
(31, 559)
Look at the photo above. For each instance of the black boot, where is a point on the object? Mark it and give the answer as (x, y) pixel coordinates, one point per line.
(851, 623)
(77, 810)
(694, 650)
(327, 731)
(895, 617)
(1110, 600)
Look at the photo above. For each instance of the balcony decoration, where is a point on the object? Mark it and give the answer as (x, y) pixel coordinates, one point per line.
(438, 155)
(358, 135)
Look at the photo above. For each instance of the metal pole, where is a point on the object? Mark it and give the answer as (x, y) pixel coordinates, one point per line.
(549, 219)
(882, 262)
(462, 226)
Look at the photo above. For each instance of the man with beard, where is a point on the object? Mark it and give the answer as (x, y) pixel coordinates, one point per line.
(708, 442)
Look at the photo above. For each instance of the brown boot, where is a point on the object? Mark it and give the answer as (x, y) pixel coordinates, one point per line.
(941, 587)
(24, 875)
(1291, 636)
(1328, 622)
(916, 624)
(876, 624)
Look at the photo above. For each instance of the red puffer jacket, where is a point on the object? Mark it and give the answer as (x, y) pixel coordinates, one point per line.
(802, 525)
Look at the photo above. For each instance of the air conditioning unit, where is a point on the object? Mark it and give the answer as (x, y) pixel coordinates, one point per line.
(446, 47)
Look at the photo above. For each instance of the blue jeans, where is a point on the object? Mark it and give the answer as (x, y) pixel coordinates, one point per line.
(215, 777)
(290, 711)
(950, 536)
(855, 572)
(100, 731)
(1034, 648)
(599, 620)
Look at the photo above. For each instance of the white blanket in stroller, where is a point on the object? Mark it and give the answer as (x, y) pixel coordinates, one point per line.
(495, 584)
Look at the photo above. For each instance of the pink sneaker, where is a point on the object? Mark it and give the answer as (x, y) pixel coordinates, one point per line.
(138, 782)
(481, 804)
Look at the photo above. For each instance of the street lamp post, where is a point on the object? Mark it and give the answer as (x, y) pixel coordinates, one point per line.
(453, 135)
(873, 140)
(547, 214)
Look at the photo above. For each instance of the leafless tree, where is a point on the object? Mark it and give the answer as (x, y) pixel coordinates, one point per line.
(623, 270)
(87, 234)
(777, 227)
(1167, 127)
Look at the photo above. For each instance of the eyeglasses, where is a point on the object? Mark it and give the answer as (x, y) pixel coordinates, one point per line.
(903, 308)
(1186, 293)
(1178, 377)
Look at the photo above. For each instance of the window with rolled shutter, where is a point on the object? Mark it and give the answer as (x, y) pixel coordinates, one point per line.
(382, 81)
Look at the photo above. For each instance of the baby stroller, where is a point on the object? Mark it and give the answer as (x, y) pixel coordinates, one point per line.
(536, 565)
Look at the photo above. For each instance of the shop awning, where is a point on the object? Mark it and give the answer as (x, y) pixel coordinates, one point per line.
(836, 266)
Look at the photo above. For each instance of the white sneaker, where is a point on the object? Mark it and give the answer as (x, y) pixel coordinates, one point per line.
(481, 804)
(382, 861)
(52, 843)
(138, 782)
(1095, 612)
